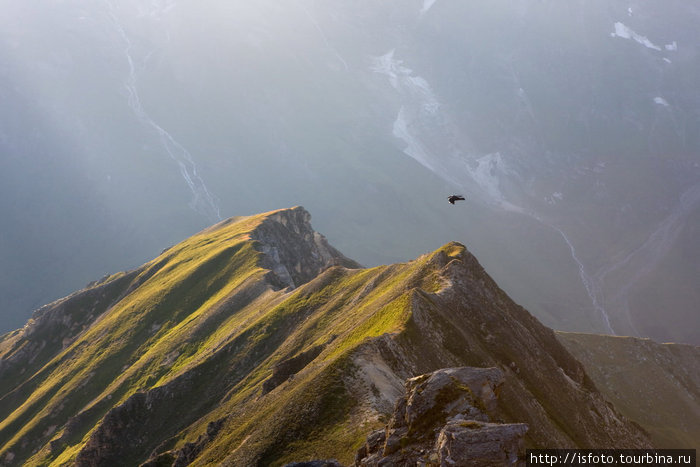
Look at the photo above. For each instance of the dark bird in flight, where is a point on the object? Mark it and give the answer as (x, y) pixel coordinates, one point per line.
(453, 198)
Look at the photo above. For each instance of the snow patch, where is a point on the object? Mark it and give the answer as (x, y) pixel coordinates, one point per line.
(203, 200)
(387, 65)
(427, 4)
(672, 47)
(554, 198)
(486, 171)
(419, 124)
(592, 288)
(421, 87)
(414, 148)
(402, 79)
(661, 101)
(423, 106)
(625, 32)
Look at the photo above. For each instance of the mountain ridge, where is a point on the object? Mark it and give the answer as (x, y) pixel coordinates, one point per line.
(639, 376)
(255, 342)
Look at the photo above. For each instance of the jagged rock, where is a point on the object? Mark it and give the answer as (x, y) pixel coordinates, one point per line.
(375, 440)
(375, 443)
(393, 441)
(119, 428)
(185, 455)
(294, 251)
(468, 442)
(466, 393)
(444, 418)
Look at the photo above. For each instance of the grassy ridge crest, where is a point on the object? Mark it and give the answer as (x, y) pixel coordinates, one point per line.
(203, 307)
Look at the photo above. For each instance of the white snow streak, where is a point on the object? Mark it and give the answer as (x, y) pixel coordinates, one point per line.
(413, 118)
(392, 68)
(414, 148)
(554, 198)
(624, 32)
(486, 172)
(203, 201)
(403, 80)
(427, 4)
(588, 282)
(419, 122)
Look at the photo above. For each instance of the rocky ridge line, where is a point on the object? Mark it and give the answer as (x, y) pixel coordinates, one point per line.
(294, 251)
(444, 419)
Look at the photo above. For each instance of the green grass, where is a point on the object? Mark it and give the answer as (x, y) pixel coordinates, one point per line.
(200, 312)
(116, 356)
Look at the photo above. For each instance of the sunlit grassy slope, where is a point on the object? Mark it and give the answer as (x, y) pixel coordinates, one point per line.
(201, 315)
(208, 355)
(146, 337)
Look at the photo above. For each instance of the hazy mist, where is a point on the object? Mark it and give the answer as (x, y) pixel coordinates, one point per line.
(573, 128)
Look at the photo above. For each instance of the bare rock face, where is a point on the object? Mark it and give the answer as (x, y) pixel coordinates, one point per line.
(188, 453)
(295, 252)
(468, 442)
(466, 393)
(445, 419)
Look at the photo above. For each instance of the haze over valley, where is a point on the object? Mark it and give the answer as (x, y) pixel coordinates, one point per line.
(572, 128)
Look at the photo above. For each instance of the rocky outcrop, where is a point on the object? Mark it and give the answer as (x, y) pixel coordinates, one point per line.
(481, 444)
(295, 253)
(445, 419)
(189, 452)
(121, 427)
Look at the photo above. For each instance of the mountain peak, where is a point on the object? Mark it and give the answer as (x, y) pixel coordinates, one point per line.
(293, 250)
(214, 352)
(287, 244)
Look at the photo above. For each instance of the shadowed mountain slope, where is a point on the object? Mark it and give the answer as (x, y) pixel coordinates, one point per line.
(255, 342)
(656, 385)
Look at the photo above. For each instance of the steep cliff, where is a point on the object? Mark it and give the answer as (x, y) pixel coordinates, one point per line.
(257, 343)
